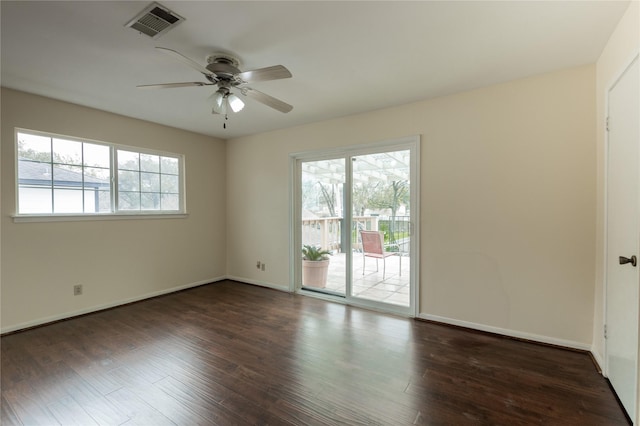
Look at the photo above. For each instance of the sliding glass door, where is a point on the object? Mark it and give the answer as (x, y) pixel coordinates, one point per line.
(355, 216)
(381, 237)
(322, 225)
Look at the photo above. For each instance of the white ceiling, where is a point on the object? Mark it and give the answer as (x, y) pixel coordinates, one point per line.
(346, 57)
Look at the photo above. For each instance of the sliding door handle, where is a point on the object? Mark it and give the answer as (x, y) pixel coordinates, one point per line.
(624, 260)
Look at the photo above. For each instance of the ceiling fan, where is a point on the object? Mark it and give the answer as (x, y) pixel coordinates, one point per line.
(222, 71)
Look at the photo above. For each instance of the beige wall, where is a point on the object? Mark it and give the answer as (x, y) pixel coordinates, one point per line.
(507, 202)
(116, 260)
(622, 47)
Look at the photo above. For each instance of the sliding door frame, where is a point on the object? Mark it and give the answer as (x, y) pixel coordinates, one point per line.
(411, 143)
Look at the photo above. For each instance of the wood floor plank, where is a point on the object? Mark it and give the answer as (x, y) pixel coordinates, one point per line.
(69, 413)
(28, 406)
(138, 411)
(92, 401)
(8, 416)
(168, 406)
(196, 401)
(234, 354)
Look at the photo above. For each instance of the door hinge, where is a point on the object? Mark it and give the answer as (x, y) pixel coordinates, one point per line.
(605, 331)
(607, 124)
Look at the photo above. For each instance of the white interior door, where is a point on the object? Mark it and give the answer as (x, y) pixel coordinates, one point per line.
(622, 295)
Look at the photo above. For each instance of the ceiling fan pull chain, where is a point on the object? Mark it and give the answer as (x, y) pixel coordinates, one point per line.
(224, 125)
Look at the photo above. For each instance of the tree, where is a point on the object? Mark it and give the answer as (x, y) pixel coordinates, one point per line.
(360, 197)
(329, 198)
(390, 196)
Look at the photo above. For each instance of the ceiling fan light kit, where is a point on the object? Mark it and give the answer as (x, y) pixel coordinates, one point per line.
(222, 71)
(235, 103)
(219, 104)
(223, 99)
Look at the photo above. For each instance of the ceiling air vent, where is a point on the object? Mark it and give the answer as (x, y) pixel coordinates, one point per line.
(155, 20)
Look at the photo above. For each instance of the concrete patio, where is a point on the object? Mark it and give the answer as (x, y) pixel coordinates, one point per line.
(393, 288)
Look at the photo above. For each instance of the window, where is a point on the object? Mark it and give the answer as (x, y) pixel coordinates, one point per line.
(68, 176)
(148, 182)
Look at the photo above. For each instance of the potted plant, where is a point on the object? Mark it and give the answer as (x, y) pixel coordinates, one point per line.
(315, 265)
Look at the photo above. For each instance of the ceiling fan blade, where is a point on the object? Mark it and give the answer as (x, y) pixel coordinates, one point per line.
(190, 62)
(275, 72)
(173, 85)
(266, 99)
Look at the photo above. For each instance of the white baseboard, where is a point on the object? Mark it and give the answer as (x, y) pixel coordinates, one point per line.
(258, 283)
(597, 358)
(507, 332)
(53, 318)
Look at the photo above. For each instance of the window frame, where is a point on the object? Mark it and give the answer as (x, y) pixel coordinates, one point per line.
(115, 213)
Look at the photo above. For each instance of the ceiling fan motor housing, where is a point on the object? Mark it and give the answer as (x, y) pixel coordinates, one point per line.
(223, 66)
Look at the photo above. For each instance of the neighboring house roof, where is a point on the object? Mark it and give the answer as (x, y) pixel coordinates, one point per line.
(36, 173)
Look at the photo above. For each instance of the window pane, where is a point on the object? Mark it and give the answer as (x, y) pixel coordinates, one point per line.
(94, 176)
(34, 200)
(96, 155)
(91, 201)
(67, 176)
(128, 160)
(149, 163)
(34, 173)
(104, 201)
(150, 201)
(97, 201)
(149, 182)
(128, 181)
(34, 147)
(67, 201)
(129, 201)
(170, 166)
(67, 152)
(170, 202)
(170, 183)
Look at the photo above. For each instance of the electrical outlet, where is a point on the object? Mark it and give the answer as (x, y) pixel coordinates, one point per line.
(77, 290)
(258, 264)
(262, 266)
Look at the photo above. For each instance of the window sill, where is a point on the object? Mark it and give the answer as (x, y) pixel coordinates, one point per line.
(85, 217)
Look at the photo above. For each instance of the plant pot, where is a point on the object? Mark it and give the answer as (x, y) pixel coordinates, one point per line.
(314, 273)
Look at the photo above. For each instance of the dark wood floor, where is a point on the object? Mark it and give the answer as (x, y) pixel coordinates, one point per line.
(234, 354)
